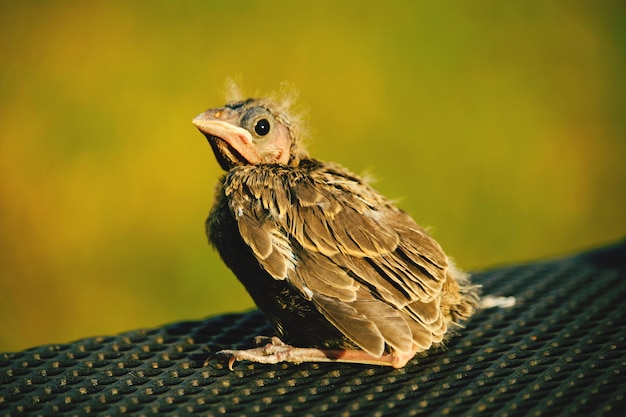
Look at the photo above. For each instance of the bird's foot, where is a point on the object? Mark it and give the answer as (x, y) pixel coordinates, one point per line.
(265, 340)
(270, 350)
(276, 351)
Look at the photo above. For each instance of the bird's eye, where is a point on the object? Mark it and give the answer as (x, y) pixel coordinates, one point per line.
(262, 127)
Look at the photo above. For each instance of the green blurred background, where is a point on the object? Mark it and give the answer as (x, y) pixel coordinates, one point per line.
(499, 124)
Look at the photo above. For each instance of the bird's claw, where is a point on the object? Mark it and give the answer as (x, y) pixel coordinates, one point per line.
(231, 362)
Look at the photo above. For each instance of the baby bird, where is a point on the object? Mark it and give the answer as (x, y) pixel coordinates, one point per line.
(340, 272)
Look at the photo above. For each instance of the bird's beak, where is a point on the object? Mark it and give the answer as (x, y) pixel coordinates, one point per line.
(237, 138)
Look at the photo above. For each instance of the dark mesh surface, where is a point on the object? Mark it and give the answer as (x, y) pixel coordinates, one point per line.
(561, 350)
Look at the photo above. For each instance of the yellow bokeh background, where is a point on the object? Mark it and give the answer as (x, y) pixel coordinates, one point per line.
(500, 125)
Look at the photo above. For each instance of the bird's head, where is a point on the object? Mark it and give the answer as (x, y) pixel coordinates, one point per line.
(251, 132)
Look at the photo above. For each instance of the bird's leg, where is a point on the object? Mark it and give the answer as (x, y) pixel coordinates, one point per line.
(277, 351)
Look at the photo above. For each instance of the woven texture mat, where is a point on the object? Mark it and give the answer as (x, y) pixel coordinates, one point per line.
(561, 350)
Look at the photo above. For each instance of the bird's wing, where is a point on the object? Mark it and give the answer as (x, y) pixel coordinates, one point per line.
(368, 267)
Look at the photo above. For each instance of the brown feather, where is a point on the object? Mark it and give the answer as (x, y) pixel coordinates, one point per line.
(254, 234)
(319, 275)
(358, 328)
(422, 335)
(388, 320)
(316, 234)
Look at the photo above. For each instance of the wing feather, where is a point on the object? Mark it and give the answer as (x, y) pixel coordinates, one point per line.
(255, 234)
(357, 327)
(320, 275)
(368, 267)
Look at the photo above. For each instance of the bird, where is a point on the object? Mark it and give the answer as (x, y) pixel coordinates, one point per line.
(340, 272)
